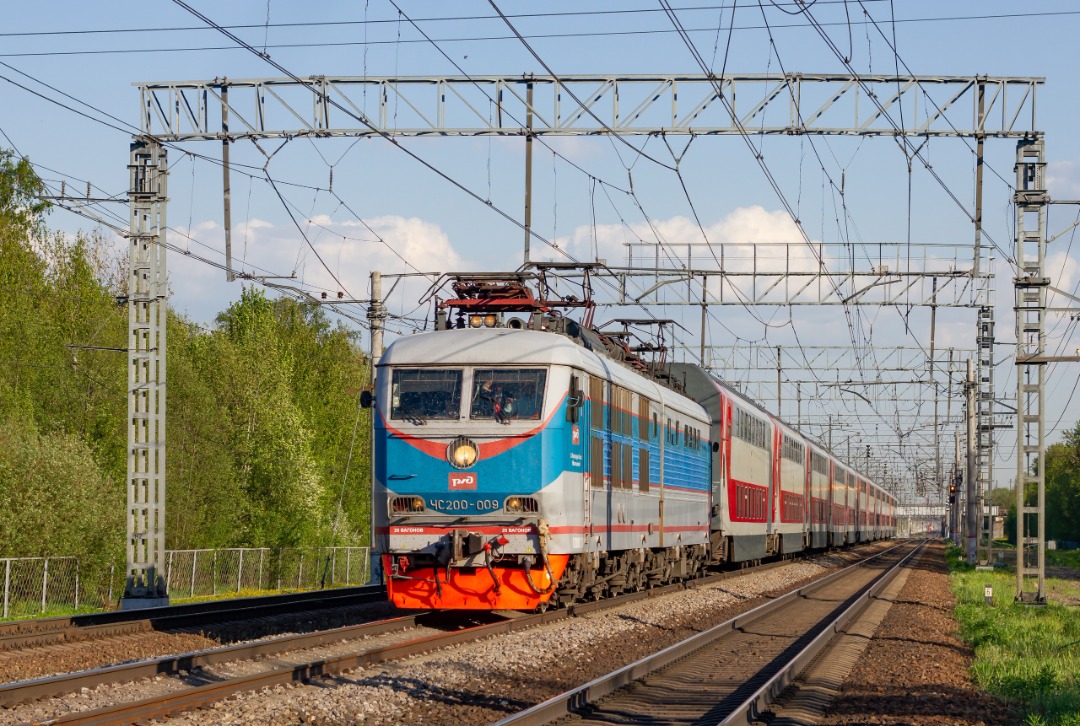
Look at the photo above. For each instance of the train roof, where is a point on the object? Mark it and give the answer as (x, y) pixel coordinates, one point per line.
(691, 371)
(515, 346)
(482, 345)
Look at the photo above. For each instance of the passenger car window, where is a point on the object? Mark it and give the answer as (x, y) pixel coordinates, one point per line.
(507, 394)
(423, 393)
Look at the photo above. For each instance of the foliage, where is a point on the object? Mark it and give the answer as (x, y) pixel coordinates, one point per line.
(55, 498)
(1062, 492)
(261, 409)
(1063, 487)
(1002, 497)
(20, 190)
(1025, 654)
(284, 376)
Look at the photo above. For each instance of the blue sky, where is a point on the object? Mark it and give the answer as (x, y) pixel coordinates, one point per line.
(392, 214)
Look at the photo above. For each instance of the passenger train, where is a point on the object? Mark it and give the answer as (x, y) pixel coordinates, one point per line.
(522, 460)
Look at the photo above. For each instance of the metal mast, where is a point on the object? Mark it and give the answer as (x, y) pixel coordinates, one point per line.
(147, 312)
(1030, 283)
(985, 430)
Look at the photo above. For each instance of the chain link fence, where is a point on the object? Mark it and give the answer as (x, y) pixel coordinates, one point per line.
(39, 585)
(33, 585)
(194, 573)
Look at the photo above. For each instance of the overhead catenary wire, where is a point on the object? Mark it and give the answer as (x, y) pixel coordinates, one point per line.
(462, 39)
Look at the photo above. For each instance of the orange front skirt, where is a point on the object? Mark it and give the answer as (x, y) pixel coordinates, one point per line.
(472, 589)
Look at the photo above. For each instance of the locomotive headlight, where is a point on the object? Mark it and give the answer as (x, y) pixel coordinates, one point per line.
(475, 321)
(490, 320)
(513, 504)
(462, 453)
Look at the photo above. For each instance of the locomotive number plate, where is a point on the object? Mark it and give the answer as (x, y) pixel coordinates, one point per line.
(463, 505)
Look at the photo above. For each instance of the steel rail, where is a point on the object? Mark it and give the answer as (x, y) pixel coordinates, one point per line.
(567, 704)
(205, 694)
(23, 691)
(751, 710)
(51, 631)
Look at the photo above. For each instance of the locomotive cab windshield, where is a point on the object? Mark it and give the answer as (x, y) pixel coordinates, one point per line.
(504, 394)
(424, 393)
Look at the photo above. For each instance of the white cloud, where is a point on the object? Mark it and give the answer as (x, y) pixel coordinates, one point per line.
(1063, 270)
(349, 250)
(1063, 179)
(740, 230)
(733, 244)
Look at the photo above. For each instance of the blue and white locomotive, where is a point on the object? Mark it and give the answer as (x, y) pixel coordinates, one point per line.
(522, 461)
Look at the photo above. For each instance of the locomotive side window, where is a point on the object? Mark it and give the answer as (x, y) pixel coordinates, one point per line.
(421, 394)
(596, 464)
(596, 402)
(643, 418)
(508, 393)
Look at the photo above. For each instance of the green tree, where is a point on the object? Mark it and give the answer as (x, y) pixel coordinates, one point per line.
(206, 502)
(1002, 497)
(261, 409)
(1063, 487)
(271, 445)
(21, 206)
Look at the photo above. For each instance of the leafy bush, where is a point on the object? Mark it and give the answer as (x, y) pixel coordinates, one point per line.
(54, 498)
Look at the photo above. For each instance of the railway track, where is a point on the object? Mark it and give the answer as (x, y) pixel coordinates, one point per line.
(732, 672)
(201, 692)
(203, 689)
(20, 634)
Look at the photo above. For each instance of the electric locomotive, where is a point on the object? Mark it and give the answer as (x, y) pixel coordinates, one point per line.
(518, 463)
(523, 459)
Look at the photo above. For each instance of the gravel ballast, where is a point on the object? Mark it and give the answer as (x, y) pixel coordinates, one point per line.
(916, 670)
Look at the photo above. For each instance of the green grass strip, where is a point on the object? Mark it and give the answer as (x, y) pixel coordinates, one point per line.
(1028, 655)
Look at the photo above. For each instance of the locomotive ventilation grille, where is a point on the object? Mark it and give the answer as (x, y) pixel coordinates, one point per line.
(402, 505)
(525, 505)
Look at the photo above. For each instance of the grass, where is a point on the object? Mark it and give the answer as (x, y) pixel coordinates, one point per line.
(1063, 558)
(32, 610)
(1028, 655)
(231, 595)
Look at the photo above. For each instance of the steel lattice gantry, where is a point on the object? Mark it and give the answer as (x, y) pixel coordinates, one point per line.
(575, 105)
(797, 273)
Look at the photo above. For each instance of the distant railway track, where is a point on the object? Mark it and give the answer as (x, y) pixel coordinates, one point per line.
(732, 672)
(204, 691)
(50, 631)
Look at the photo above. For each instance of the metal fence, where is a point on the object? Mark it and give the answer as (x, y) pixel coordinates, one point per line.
(32, 585)
(191, 573)
(38, 585)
